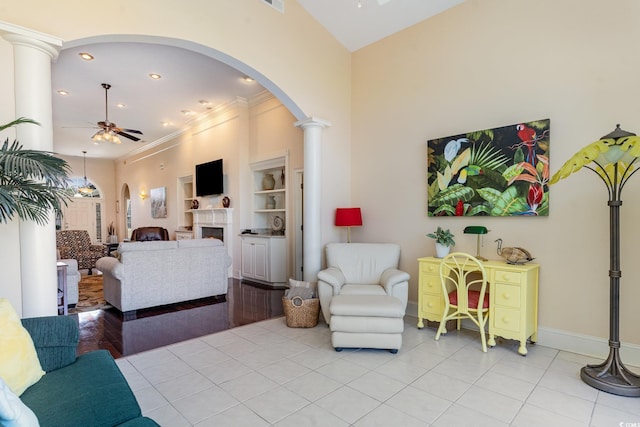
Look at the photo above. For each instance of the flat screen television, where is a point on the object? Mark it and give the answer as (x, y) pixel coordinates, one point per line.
(209, 179)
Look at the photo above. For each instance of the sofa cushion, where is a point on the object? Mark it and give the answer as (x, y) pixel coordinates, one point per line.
(55, 338)
(14, 413)
(19, 364)
(92, 389)
(157, 245)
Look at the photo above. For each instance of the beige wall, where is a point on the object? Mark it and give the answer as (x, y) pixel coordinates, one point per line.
(489, 63)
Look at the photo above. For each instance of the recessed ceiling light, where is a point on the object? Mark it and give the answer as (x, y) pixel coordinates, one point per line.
(248, 79)
(203, 102)
(120, 105)
(63, 92)
(187, 112)
(155, 76)
(165, 124)
(86, 56)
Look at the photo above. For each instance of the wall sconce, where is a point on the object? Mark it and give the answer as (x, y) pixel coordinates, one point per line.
(143, 195)
(348, 217)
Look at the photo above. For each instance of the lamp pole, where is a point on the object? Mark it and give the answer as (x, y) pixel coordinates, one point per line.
(612, 376)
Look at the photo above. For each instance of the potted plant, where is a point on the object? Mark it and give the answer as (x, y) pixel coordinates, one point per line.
(32, 182)
(444, 241)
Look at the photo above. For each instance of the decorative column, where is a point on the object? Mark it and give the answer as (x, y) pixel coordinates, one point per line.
(33, 53)
(312, 243)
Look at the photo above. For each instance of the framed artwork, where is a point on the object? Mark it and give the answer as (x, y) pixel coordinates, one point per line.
(493, 172)
(159, 202)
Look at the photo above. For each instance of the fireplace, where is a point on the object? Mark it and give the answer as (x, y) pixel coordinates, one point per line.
(216, 223)
(213, 232)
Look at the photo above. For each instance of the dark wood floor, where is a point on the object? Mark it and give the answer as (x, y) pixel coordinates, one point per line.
(245, 303)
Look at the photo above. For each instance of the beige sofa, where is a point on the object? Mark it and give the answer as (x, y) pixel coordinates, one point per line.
(153, 273)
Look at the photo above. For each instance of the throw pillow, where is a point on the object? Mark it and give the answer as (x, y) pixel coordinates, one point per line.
(302, 284)
(14, 413)
(19, 364)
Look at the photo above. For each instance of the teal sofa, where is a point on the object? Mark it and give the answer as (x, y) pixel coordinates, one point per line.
(88, 390)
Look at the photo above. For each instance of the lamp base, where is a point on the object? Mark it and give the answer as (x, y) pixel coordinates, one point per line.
(612, 376)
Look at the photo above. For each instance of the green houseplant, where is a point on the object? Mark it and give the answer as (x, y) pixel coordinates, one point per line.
(32, 182)
(444, 241)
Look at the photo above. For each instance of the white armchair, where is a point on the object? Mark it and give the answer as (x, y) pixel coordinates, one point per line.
(361, 269)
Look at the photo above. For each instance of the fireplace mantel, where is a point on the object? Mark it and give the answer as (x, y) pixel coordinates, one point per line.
(216, 217)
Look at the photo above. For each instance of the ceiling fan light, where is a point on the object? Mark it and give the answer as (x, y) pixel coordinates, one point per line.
(99, 136)
(115, 139)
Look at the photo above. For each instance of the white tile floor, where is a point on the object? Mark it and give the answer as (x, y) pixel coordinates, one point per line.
(267, 374)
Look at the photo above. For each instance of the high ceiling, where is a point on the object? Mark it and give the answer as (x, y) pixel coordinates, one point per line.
(156, 107)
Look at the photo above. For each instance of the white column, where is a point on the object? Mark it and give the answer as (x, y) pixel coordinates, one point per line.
(312, 243)
(33, 53)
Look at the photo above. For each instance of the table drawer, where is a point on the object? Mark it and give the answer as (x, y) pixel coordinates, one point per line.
(433, 305)
(508, 319)
(508, 277)
(507, 295)
(430, 268)
(431, 284)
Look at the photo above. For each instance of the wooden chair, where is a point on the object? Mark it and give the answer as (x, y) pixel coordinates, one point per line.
(76, 244)
(464, 286)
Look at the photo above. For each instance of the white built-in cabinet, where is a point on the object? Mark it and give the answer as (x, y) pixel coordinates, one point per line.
(185, 200)
(264, 253)
(264, 258)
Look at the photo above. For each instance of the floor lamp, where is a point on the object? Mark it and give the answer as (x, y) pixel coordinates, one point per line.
(348, 217)
(613, 158)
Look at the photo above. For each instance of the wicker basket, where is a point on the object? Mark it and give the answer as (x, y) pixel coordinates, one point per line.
(301, 313)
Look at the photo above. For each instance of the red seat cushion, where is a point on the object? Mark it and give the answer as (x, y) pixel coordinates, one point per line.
(474, 296)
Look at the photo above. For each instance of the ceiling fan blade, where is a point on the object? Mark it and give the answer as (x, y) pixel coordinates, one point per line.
(126, 135)
(132, 131)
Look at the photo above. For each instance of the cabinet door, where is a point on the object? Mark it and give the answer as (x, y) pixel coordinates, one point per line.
(248, 262)
(261, 260)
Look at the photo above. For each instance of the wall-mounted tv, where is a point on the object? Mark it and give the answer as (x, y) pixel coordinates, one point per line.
(209, 179)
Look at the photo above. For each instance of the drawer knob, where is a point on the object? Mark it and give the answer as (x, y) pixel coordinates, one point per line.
(506, 296)
(505, 320)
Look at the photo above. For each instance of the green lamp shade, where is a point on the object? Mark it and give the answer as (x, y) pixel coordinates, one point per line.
(476, 229)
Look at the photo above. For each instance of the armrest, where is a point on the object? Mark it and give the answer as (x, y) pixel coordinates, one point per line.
(99, 249)
(55, 339)
(391, 277)
(333, 276)
(111, 266)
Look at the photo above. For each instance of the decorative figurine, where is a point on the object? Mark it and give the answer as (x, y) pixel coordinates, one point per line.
(195, 204)
(514, 255)
(226, 202)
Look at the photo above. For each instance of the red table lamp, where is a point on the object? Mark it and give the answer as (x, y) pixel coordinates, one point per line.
(348, 217)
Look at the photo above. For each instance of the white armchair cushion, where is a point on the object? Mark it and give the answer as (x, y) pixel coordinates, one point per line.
(361, 269)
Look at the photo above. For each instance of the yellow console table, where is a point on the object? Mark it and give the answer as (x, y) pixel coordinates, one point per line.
(513, 299)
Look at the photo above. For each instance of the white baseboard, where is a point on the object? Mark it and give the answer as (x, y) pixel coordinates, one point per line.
(572, 342)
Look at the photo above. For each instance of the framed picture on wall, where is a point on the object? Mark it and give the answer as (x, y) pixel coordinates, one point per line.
(502, 171)
(159, 202)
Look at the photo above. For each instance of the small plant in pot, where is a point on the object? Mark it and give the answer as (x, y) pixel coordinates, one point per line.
(444, 241)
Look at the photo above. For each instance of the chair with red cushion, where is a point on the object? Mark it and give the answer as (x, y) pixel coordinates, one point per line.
(464, 286)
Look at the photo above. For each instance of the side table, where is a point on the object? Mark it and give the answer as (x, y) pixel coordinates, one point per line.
(111, 247)
(62, 288)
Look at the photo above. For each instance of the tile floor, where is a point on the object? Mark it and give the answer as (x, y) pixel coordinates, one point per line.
(266, 374)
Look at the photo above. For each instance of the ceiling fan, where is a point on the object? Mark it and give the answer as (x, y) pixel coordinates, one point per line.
(108, 130)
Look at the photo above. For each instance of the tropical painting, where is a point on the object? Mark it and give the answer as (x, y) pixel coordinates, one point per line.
(494, 172)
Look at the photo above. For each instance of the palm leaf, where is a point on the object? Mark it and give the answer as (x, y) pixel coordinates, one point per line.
(32, 182)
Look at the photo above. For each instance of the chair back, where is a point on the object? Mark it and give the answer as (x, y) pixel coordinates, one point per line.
(143, 234)
(77, 239)
(363, 263)
(460, 272)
